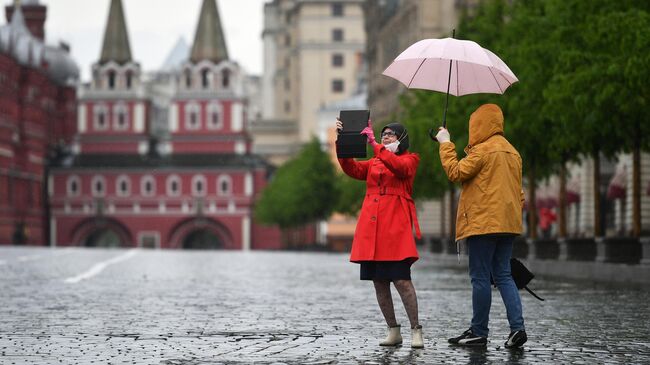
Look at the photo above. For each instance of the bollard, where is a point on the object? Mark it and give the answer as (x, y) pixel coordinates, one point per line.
(645, 247)
(564, 249)
(532, 253)
(601, 249)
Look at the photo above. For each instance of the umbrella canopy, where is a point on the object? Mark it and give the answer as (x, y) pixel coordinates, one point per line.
(617, 188)
(474, 69)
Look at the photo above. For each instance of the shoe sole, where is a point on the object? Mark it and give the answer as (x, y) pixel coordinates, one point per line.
(515, 346)
(391, 345)
(469, 344)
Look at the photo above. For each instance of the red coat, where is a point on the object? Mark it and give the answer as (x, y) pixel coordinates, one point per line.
(385, 227)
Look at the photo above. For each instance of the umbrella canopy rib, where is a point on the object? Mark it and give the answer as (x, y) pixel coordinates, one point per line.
(416, 72)
(457, 83)
(495, 80)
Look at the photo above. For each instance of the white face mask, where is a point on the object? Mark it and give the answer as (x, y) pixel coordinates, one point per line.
(392, 147)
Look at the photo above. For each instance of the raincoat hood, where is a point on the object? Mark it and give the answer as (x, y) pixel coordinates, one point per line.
(402, 136)
(484, 123)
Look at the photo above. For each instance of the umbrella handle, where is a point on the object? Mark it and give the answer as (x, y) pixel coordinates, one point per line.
(432, 135)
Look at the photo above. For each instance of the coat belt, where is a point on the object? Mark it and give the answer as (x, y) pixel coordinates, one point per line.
(387, 190)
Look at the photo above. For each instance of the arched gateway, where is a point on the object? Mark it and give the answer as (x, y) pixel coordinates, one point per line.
(202, 239)
(102, 232)
(201, 233)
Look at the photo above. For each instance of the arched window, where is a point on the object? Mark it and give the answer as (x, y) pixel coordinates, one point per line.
(73, 186)
(123, 186)
(148, 186)
(224, 185)
(174, 185)
(188, 78)
(205, 78)
(98, 186)
(100, 117)
(129, 79)
(121, 117)
(215, 118)
(192, 116)
(111, 79)
(225, 78)
(198, 185)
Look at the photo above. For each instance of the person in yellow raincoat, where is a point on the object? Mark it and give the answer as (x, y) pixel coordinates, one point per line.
(489, 217)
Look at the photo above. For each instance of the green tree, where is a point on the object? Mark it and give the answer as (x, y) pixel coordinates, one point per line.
(350, 194)
(599, 89)
(423, 110)
(302, 191)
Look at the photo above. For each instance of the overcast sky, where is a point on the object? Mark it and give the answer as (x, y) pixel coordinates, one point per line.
(154, 27)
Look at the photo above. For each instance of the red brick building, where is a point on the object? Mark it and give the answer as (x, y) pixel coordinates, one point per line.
(161, 160)
(37, 114)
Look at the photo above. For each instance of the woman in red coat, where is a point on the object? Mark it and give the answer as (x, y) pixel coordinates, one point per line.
(383, 242)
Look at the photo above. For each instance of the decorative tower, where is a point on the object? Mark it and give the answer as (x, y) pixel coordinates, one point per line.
(208, 110)
(113, 109)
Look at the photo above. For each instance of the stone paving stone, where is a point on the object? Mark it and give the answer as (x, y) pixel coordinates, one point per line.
(174, 307)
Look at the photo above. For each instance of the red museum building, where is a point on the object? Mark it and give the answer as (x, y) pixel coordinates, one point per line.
(157, 160)
(37, 113)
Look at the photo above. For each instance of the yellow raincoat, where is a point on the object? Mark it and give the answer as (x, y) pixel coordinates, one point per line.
(491, 200)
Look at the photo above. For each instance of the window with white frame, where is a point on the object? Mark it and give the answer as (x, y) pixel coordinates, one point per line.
(148, 186)
(225, 78)
(111, 79)
(337, 9)
(224, 185)
(73, 186)
(120, 117)
(206, 76)
(129, 79)
(100, 117)
(123, 186)
(198, 185)
(215, 118)
(337, 35)
(174, 185)
(188, 78)
(192, 116)
(98, 186)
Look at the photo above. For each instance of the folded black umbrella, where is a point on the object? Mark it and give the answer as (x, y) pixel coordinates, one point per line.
(521, 276)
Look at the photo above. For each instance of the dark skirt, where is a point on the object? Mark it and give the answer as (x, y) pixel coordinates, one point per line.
(385, 270)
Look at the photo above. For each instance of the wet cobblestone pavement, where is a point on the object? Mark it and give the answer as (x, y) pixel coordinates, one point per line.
(82, 306)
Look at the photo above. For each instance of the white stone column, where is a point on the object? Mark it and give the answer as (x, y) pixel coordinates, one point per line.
(52, 231)
(246, 233)
(586, 218)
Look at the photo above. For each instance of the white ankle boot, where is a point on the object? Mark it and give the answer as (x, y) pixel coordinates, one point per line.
(417, 342)
(394, 338)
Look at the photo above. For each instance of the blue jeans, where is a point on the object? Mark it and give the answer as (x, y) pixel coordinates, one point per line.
(490, 254)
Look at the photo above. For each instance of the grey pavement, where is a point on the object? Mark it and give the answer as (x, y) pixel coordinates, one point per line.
(94, 306)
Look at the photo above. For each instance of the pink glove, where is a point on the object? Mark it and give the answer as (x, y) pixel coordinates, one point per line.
(370, 135)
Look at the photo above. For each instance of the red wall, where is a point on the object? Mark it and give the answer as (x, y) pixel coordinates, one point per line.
(32, 109)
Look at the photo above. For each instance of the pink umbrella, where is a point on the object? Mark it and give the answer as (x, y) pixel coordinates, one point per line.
(453, 66)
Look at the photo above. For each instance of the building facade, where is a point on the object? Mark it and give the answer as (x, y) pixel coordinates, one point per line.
(391, 27)
(37, 117)
(616, 198)
(313, 52)
(161, 160)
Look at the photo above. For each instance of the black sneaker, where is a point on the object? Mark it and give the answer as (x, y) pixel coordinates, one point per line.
(468, 339)
(516, 339)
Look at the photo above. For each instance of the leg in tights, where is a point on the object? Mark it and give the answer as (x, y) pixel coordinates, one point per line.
(385, 301)
(409, 298)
